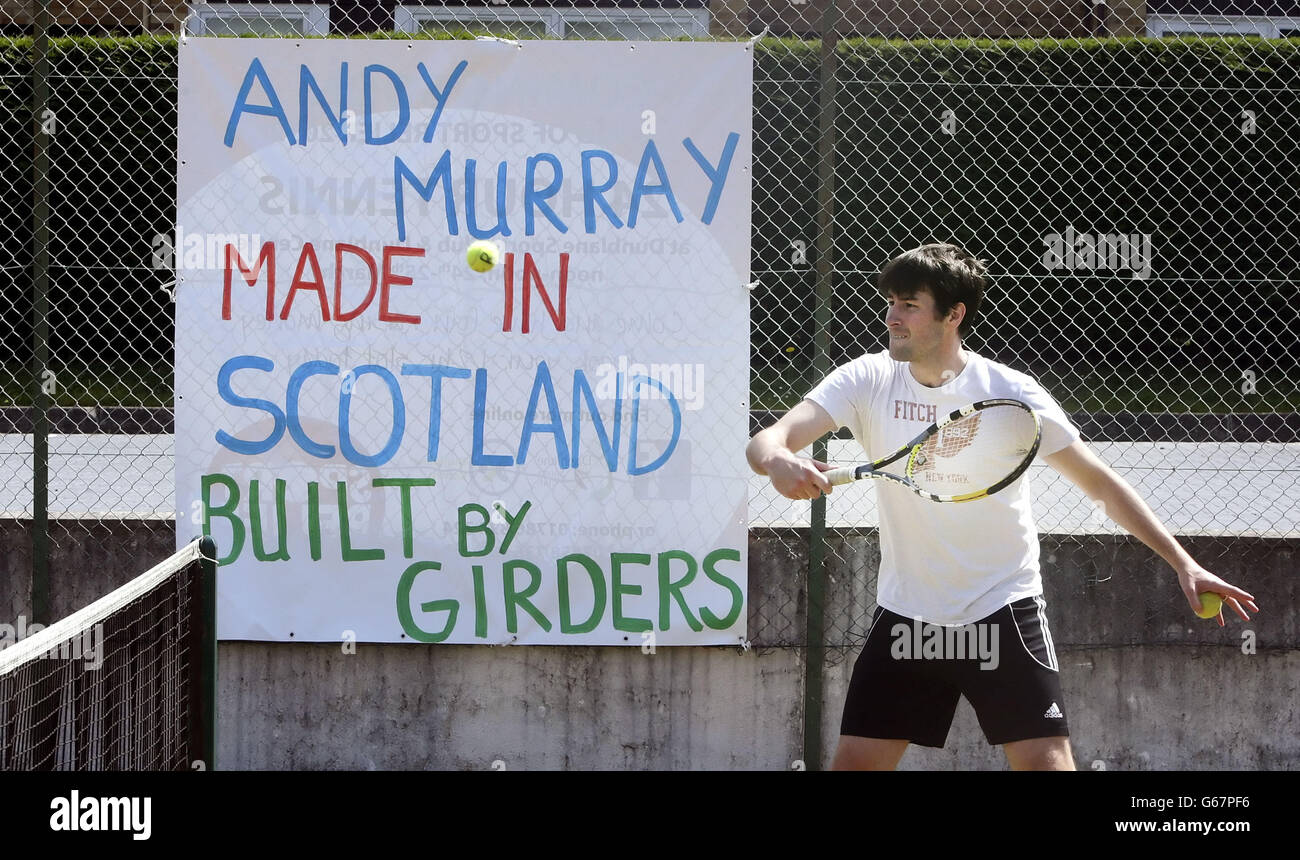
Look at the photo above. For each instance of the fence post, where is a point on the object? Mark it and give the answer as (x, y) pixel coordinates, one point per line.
(208, 658)
(815, 652)
(40, 315)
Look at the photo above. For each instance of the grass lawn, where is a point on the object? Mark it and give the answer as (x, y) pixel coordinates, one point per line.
(92, 385)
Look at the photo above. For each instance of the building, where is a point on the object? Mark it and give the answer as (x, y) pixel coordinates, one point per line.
(657, 19)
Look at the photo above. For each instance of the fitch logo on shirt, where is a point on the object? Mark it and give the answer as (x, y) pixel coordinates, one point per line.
(909, 410)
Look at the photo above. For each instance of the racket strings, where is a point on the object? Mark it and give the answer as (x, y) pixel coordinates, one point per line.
(976, 451)
(952, 439)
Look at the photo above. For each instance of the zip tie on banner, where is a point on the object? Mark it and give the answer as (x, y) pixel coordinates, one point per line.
(754, 39)
(751, 286)
(498, 39)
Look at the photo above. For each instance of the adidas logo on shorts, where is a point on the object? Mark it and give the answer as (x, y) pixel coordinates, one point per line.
(1054, 713)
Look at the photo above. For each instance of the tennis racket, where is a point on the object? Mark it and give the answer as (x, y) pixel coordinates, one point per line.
(972, 453)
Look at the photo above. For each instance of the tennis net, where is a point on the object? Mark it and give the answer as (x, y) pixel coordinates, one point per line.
(126, 683)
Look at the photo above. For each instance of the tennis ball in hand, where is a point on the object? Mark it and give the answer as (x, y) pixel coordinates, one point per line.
(1211, 603)
(482, 255)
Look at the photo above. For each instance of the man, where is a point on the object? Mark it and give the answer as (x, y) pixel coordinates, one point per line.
(974, 563)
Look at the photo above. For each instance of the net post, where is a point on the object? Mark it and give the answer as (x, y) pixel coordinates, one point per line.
(208, 661)
(40, 273)
(814, 659)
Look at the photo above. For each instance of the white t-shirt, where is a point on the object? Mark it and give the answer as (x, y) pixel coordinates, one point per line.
(948, 563)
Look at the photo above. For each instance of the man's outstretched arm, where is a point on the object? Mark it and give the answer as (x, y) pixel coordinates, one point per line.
(771, 451)
(1123, 505)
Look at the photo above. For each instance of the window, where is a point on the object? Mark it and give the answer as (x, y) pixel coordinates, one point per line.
(545, 22)
(508, 22)
(635, 23)
(1221, 25)
(258, 19)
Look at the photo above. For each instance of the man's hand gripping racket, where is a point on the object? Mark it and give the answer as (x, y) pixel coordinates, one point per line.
(972, 453)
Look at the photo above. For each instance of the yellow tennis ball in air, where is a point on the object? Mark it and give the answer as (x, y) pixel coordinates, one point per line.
(482, 255)
(1211, 603)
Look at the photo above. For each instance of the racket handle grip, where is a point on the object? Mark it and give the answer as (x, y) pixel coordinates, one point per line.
(842, 475)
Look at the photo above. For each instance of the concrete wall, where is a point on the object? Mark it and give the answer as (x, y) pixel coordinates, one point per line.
(1146, 685)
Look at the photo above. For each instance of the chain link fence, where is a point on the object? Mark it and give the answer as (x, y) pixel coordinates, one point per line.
(1129, 171)
(1136, 216)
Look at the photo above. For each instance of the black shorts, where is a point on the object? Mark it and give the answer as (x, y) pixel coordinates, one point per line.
(910, 674)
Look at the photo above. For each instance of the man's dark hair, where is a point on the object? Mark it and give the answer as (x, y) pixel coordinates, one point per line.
(946, 271)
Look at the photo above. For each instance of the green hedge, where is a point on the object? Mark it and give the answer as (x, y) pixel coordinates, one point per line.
(1116, 135)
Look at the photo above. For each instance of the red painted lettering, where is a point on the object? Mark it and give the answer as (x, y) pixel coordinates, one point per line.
(339, 313)
(316, 285)
(394, 280)
(267, 256)
(533, 278)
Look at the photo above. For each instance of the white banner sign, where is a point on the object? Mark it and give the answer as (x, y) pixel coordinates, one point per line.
(388, 445)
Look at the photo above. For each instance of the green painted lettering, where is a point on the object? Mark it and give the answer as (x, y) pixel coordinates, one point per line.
(281, 521)
(405, 484)
(670, 589)
(313, 519)
(480, 603)
(227, 510)
(737, 596)
(463, 529)
(597, 587)
(618, 589)
(412, 629)
(345, 532)
(512, 523)
(516, 598)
